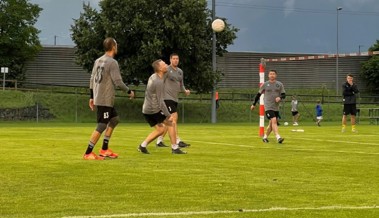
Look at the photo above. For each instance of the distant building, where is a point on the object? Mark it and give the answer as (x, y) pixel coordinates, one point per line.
(56, 66)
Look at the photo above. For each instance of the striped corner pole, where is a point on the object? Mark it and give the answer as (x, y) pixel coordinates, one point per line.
(262, 66)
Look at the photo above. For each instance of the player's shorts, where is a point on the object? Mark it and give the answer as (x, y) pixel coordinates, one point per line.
(350, 109)
(319, 117)
(294, 113)
(271, 114)
(172, 106)
(105, 114)
(154, 119)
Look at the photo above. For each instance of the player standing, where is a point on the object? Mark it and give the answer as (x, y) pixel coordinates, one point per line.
(105, 76)
(155, 110)
(174, 84)
(294, 110)
(318, 113)
(274, 94)
(349, 92)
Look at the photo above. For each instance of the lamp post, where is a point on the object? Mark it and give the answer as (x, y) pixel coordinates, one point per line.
(337, 56)
(213, 105)
(359, 49)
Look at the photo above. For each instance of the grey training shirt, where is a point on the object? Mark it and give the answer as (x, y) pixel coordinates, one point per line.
(104, 78)
(174, 84)
(272, 91)
(154, 93)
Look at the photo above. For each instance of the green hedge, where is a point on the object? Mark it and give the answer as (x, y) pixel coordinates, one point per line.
(74, 108)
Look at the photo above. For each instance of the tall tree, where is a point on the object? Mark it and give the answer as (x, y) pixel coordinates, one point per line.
(19, 40)
(370, 70)
(151, 29)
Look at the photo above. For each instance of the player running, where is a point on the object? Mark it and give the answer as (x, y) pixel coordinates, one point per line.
(155, 110)
(350, 90)
(174, 84)
(274, 94)
(105, 76)
(294, 110)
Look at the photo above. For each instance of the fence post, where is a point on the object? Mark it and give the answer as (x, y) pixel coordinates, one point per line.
(37, 112)
(182, 111)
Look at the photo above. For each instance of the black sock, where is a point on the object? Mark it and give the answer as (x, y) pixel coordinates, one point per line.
(90, 147)
(105, 143)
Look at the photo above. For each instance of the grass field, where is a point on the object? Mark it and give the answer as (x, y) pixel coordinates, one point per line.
(228, 172)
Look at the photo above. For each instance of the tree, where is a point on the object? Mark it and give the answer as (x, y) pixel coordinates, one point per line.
(150, 29)
(370, 70)
(19, 40)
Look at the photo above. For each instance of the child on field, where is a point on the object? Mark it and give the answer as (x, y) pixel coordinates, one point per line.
(318, 113)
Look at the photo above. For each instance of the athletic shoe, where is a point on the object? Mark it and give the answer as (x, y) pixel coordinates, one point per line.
(343, 129)
(161, 144)
(280, 140)
(92, 156)
(178, 151)
(318, 124)
(295, 124)
(108, 153)
(265, 140)
(143, 150)
(183, 144)
(354, 130)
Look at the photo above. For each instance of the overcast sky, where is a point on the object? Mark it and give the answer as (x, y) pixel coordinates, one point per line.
(296, 26)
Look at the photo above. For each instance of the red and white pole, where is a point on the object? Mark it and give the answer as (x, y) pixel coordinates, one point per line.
(262, 66)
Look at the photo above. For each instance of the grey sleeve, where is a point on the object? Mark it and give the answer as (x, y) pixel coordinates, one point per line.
(116, 77)
(262, 88)
(92, 75)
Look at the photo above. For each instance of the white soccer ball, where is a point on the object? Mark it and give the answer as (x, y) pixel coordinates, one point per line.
(286, 123)
(218, 25)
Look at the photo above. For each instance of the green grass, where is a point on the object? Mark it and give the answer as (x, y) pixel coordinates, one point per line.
(226, 168)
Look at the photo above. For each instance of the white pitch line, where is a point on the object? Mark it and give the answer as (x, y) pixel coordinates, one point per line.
(188, 213)
(287, 148)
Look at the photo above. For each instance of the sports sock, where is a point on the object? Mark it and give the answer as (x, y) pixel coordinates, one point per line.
(160, 139)
(343, 126)
(265, 136)
(90, 147)
(352, 127)
(177, 140)
(105, 143)
(175, 146)
(278, 136)
(144, 144)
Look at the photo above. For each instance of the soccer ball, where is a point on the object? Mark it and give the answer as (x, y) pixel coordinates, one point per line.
(218, 25)
(286, 123)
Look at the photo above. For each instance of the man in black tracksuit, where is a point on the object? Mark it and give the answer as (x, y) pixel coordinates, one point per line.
(350, 90)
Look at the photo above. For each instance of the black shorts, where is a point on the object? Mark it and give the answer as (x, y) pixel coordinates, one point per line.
(271, 114)
(154, 119)
(294, 113)
(172, 106)
(105, 114)
(350, 109)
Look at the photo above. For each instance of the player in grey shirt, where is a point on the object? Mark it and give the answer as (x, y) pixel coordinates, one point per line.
(274, 93)
(155, 110)
(104, 78)
(294, 110)
(174, 84)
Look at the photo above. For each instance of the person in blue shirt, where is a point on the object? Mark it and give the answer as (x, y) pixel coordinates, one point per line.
(318, 112)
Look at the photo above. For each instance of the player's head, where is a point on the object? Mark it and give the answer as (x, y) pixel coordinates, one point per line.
(318, 102)
(174, 59)
(272, 75)
(349, 78)
(293, 97)
(110, 44)
(159, 66)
